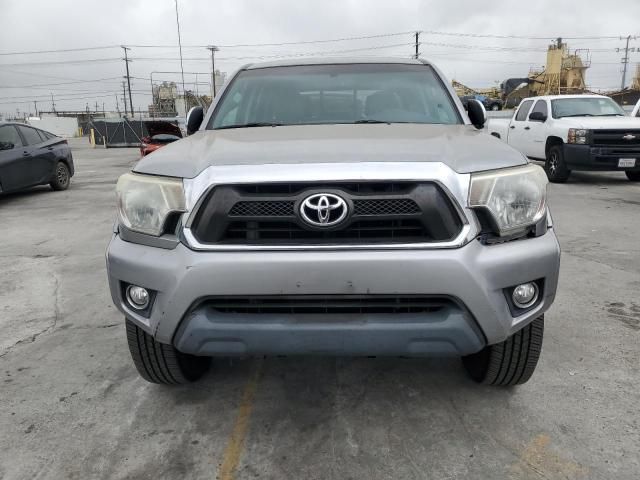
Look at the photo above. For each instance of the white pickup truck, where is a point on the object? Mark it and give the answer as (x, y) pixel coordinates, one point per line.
(573, 132)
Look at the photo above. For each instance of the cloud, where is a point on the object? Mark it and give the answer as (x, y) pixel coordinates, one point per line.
(30, 25)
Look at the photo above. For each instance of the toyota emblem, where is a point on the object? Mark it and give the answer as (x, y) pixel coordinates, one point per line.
(323, 209)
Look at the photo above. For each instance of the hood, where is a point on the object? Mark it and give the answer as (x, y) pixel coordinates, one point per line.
(159, 127)
(601, 123)
(461, 147)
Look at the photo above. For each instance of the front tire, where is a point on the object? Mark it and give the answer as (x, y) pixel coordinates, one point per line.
(511, 362)
(633, 176)
(61, 177)
(555, 167)
(160, 362)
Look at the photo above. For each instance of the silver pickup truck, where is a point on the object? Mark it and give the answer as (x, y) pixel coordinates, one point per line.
(334, 207)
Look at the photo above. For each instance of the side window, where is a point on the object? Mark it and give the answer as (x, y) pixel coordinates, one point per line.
(43, 136)
(9, 138)
(30, 135)
(540, 106)
(523, 110)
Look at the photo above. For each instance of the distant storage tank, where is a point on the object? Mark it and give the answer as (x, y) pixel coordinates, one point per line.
(564, 73)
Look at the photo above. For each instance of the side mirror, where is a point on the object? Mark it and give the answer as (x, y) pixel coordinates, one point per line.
(194, 119)
(6, 146)
(537, 117)
(477, 113)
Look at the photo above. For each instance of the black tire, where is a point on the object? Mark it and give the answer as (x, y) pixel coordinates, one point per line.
(61, 177)
(161, 363)
(555, 167)
(633, 176)
(494, 107)
(511, 362)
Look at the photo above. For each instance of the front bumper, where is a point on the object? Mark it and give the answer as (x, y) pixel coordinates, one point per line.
(475, 275)
(594, 158)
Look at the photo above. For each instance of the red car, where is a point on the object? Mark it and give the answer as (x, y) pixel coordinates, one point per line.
(160, 133)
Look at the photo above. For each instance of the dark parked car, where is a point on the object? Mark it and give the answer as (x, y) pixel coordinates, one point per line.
(489, 103)
(30, 156)
(160, 134)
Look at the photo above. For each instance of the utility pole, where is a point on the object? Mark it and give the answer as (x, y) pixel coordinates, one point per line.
(625, 59)
(417, 35)
(53, 104)
(35, 104)
(117, 105)
(213, 50)
(126, 62)
(124, 98)
(180, 46)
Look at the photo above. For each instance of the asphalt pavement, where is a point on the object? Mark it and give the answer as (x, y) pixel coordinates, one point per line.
(73, 406)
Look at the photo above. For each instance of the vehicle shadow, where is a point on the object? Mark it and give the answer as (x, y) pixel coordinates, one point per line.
(599, 178)
(311, 378)
(6, 198)
(594, 178)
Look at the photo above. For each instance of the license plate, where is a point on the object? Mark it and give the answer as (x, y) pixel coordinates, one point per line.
(627, 162)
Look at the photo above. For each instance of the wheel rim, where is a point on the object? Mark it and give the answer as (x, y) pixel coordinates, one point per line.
(553, 163)
(62, 176)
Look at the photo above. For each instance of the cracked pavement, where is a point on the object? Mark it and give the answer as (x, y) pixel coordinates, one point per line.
(72, 405)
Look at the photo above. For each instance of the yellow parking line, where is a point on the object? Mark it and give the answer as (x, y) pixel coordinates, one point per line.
(233, 451)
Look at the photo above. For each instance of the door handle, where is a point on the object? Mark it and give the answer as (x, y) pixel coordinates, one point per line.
(512, 126)
(49, 148)
(25, 154)
(527, 128)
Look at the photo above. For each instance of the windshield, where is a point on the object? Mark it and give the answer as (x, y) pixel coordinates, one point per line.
(585, 107)
(329, 94)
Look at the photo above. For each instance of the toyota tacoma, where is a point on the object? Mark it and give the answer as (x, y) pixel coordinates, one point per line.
(342, 207)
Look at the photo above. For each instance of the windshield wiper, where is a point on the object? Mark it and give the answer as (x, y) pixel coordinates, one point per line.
(612, 115)
(371, 120)
(578, 115)
(249, 125)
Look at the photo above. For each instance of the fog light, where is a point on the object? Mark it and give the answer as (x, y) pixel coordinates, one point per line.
(138, 297)
(525, 295)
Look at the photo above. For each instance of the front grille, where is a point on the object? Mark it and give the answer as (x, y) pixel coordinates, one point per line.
(378, 212)
(329, 304)
(369, 230)
(262, 208)
(269, 208)
(398, 206)
(615, 137)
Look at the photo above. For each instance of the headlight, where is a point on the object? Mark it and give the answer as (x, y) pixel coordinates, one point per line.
(577, 135)
(515, 197)
(145, 201)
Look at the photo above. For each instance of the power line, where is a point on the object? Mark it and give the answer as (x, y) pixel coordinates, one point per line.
(304, 42)
(85, 49)
(65, 62)
(281, 55)
(85, 92)
(61, 83)
(523, 37)
(330, 40)
(58, 99)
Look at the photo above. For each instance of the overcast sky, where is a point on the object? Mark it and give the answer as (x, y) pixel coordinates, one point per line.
(29, 25)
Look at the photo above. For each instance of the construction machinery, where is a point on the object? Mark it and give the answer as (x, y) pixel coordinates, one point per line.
(564, 73)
